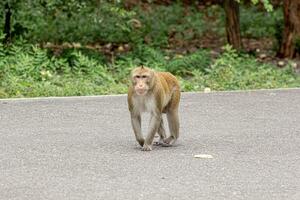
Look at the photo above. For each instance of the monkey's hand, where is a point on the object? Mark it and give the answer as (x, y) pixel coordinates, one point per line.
(146, 147)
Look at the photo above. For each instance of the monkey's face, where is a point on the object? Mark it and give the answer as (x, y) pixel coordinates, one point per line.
(141, 79)
(141, 84)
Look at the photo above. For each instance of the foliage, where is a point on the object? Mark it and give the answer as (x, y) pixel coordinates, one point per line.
(91, 21)
(199, 60)
(69, 21)
(88, 21)
(240, 72)
(232, 72)
(267, 4)
(152, 34)
(159, 23)
(27, 70)
(256, 23)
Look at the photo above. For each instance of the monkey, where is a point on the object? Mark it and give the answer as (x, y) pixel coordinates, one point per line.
(155, 93)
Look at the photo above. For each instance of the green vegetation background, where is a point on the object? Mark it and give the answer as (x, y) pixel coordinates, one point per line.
(59, 49)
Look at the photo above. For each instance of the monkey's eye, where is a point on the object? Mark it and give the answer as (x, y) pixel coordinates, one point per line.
(144, 76)
(137, 76)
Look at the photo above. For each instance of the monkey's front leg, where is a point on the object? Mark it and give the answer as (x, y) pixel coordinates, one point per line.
(154, 124)
(136, 125)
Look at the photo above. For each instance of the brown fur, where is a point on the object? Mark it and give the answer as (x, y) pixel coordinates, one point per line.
(157, 93)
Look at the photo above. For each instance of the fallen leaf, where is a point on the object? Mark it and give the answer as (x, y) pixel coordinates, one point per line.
(207, 90)
(204, 156)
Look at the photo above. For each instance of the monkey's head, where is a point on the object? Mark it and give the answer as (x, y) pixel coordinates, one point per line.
(142, 80)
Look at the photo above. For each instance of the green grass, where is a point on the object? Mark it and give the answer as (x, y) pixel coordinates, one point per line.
(29, 71)
(241, 72)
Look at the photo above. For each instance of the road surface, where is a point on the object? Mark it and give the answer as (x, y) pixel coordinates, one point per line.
(84, 148)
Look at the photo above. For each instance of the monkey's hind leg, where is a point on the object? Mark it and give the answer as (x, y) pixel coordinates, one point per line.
(161, 132)
(173, 122)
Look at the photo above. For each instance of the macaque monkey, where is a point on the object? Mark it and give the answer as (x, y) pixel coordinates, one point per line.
(156, 93)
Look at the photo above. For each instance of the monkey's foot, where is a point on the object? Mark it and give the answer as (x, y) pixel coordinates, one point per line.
(169, 141)
(146, 147)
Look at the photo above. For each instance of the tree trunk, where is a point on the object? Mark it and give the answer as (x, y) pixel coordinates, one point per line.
(291, 33)
(7, 25)
(231, 8)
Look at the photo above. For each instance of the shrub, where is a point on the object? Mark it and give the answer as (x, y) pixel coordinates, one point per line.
(199, 60)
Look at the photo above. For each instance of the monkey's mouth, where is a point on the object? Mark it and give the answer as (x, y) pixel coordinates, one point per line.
(141, 91)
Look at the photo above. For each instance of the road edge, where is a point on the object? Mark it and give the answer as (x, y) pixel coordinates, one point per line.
(120, 95)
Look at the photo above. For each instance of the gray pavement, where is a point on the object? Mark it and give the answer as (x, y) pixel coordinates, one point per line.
(84, 148)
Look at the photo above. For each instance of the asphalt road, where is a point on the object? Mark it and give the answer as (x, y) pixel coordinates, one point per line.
(84, 148)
